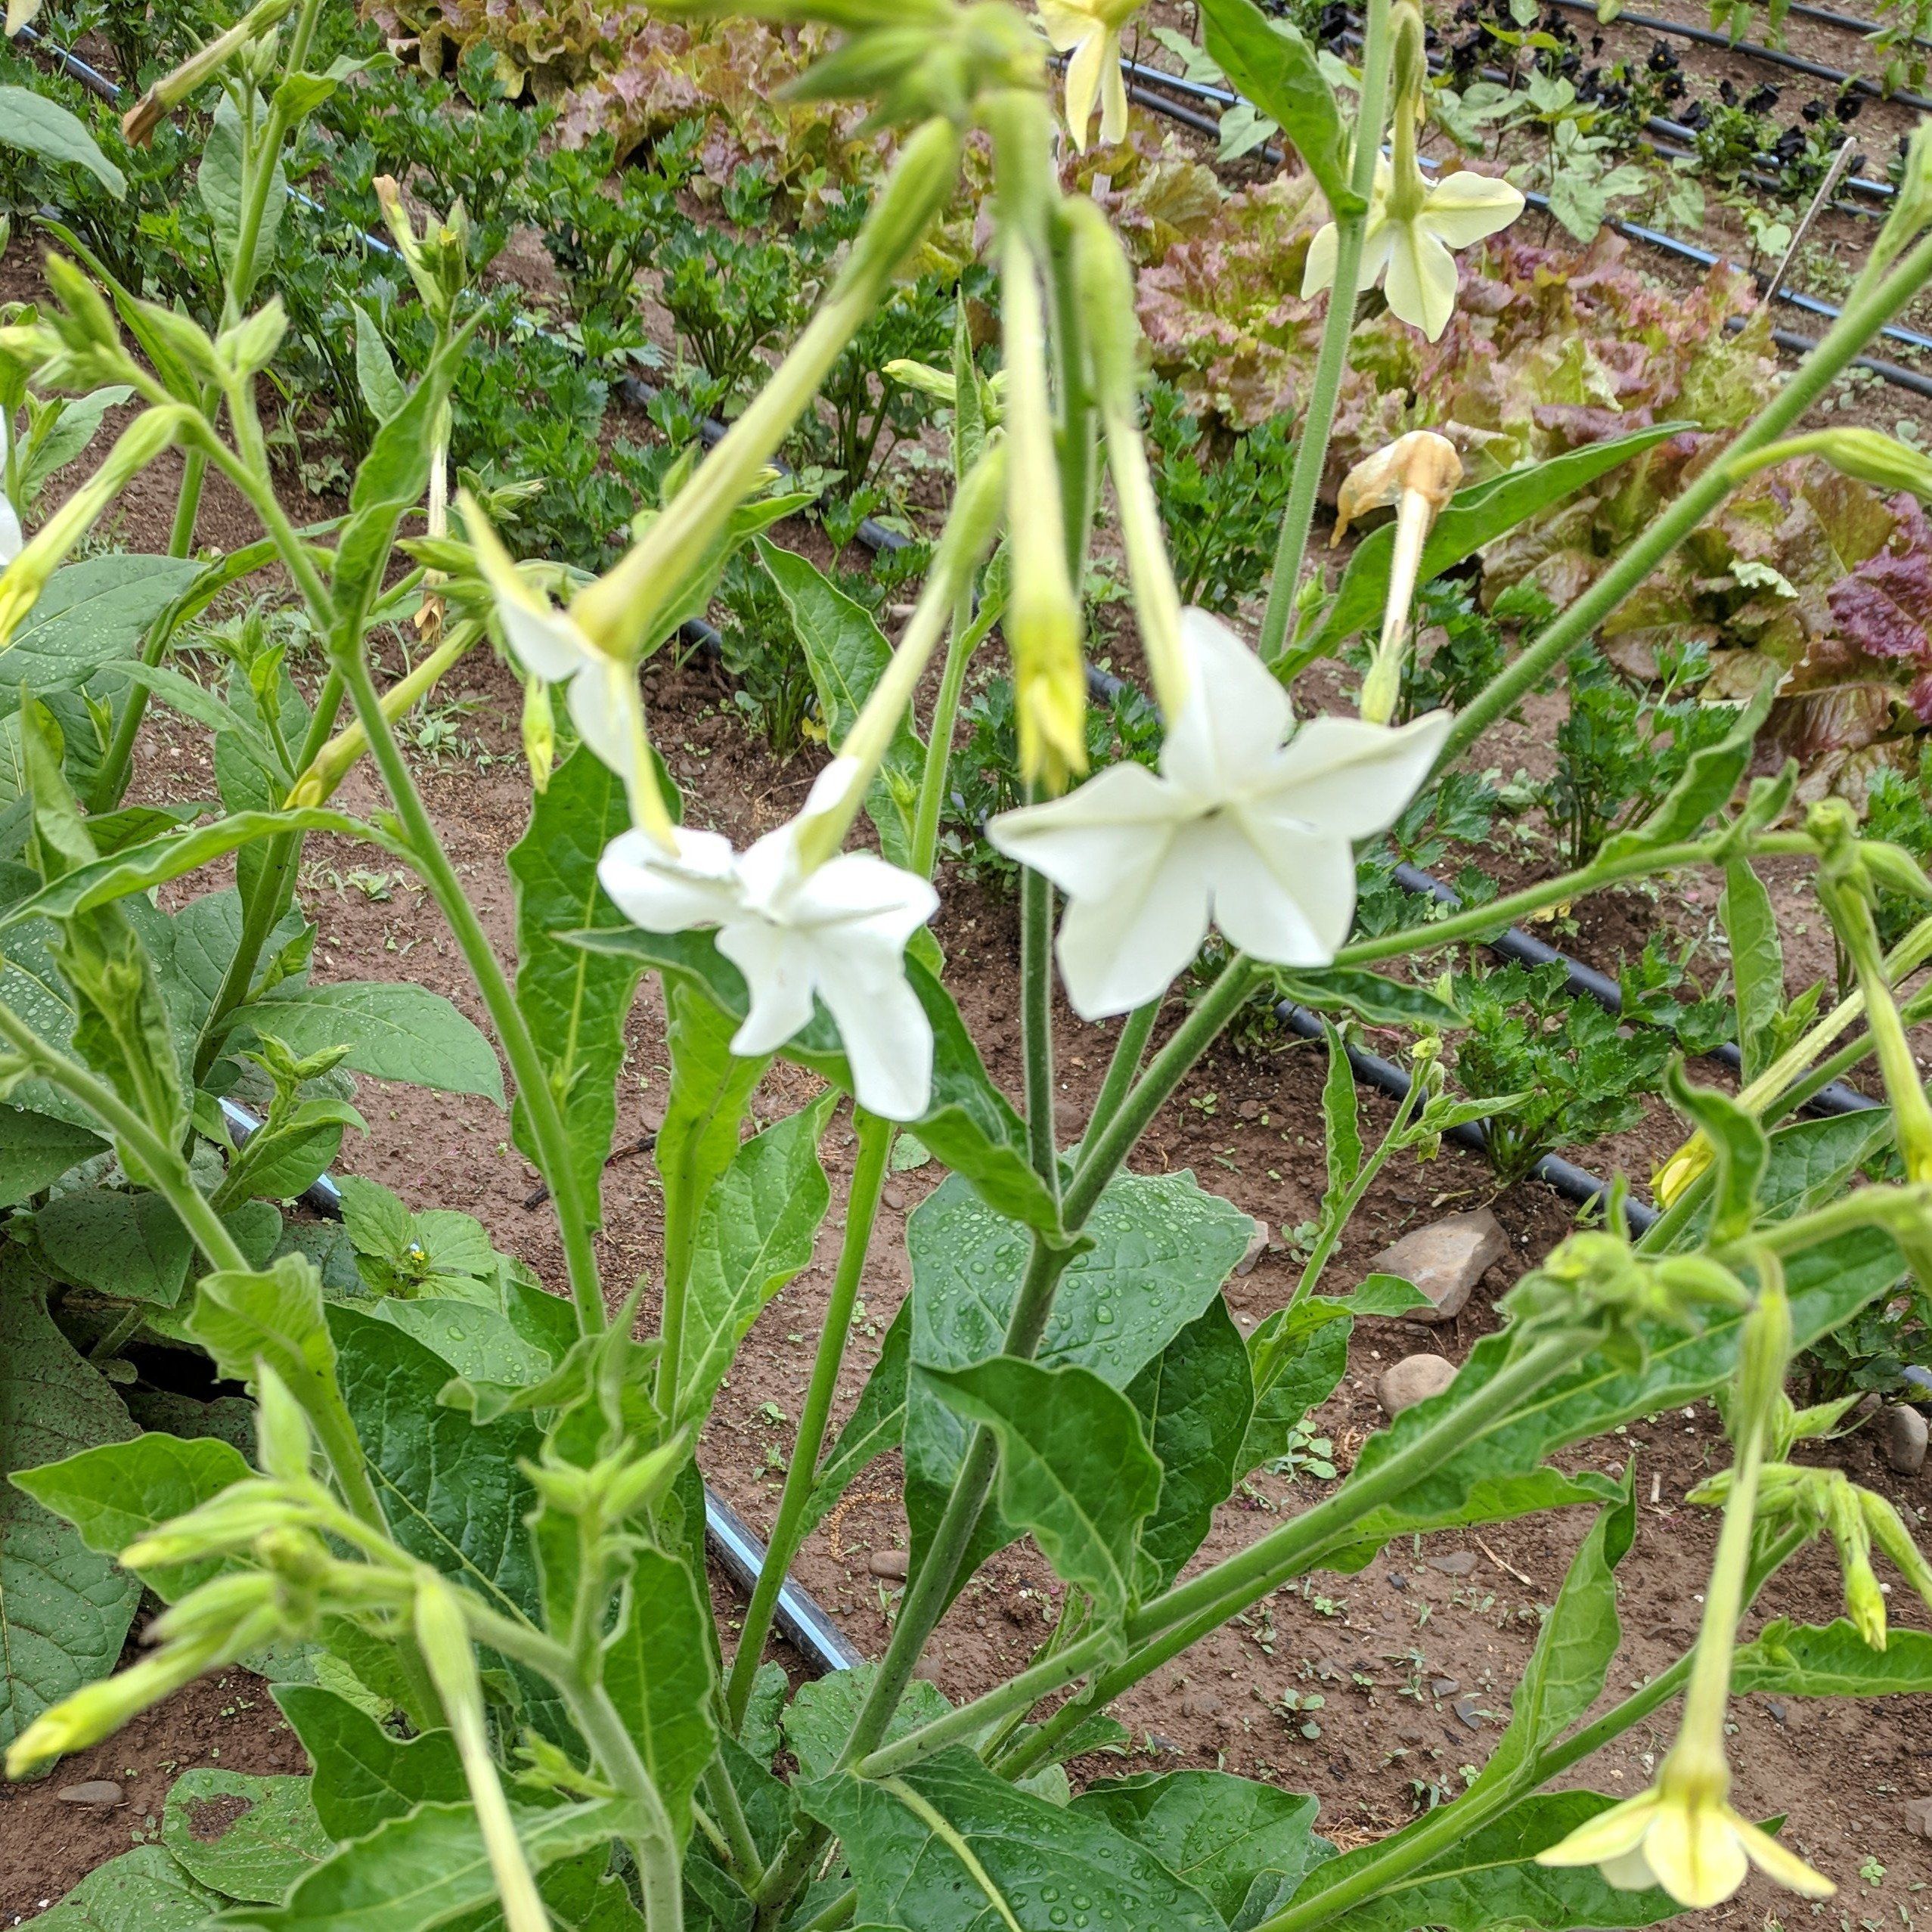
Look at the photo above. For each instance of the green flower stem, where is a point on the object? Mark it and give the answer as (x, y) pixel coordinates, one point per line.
(1102, 1154)
(111, 781)
(1036, 967)
(1079, 477)
(654, 1846)
(1333, 1225)
(875, 1146)
(533, 1087)
(1129, 1050)
(1853, 1053)
(262, 171)
(1448, 1825)
(1311, 451)
(1184, 1614)
(1912, 1114)
(939, 738)
(1861, 318)
(840, 1912)
(1893, 1208)
(740, 1846)
(165, 1163)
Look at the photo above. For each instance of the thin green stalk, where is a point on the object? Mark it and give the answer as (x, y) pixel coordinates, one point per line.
(1036, 966)
(163, 1162)
(1861, 318)
(1079, 473)
(740, 1846)
(533, 1088)
(1129, 1050)
(660, 1870)
(939, 738)
(1311, 450)
(840, 1912)
(1333, 1225)
(111, 781)
(875, 1146)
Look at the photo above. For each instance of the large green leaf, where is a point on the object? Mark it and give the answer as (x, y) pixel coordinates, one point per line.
(392, 1032)
(968, 1124)
(1472, 517)
(1827, 1284)
(91, 614)
(118, 1491)
(1162, 1247)
(657, 1670)
(413, 1872)
(574, 1001)
(364, 1772)
(848, 653)
(36, 1150)
(256, 1854)
(1296, 1357)
(143, 1890)
(819, 1718)
(37, 125)
(948, 1847)
(1811, 1162)
(221, 181)
(480, 1344)
(454, 1494)
(1194, 1399)
(1492, 1879)
(1227, 1836)
(756, 1232)
(1277, 69)
(1074, 1469)
(1757, 963)
(132, 1246)
(64, 1609)
(1832, 1659)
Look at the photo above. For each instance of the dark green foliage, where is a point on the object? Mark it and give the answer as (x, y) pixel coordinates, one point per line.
(1584, 1076)
(1900, 811)
(1221, 499)
(1460, 812)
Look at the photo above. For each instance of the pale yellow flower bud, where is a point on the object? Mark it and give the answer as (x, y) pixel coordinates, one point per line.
(138, 124)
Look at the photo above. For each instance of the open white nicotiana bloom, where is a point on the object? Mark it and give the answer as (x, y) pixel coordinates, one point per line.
(12, 538)
(1237, 828)
(837, 930)
(1683, 1834)
(1410, 240)
(1089, 32)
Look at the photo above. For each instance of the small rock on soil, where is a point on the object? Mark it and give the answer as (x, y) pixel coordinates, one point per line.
(1413, 1379)
(1905, 1439)
(1445, 1261)
(1918, 1817)
(100, 1793)
(889, 1564)
(1257, 1244)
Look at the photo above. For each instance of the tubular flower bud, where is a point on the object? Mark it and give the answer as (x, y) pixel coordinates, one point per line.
(1418, 473)
(1869, 456)
(1683, 1833)
(539, 732)
(1043, 616)
(27, 576)
(138, 124)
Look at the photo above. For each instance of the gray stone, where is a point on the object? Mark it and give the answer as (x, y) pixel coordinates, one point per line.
(101, 1794)
(1201, 1703)
(1904, 1435)
(890, 1565)
(893, 1196)
(1918, 1816)
(1444, 1687)
(1413, 1379)
(1257, 1244)
(1465, 1708)
(1457, 1563)
(1445, 1261)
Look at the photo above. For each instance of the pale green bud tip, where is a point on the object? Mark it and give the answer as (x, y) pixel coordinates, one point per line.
(1104, 281)
(539, 733)
(1380, 689)
(1049, 688)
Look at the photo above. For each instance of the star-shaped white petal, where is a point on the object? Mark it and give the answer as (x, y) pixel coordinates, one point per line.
(1237, 829)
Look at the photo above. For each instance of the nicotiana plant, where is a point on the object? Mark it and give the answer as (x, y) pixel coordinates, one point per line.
(462, 1527)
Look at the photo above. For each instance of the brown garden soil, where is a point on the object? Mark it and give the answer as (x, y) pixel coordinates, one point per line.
(1413, 1657)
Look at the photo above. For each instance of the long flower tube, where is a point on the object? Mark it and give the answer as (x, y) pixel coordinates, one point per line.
(1683, 1834)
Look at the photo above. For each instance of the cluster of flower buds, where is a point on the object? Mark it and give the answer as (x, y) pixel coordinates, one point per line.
(249, 41)
(1597, 1279)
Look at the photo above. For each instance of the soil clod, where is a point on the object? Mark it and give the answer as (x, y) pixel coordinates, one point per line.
(1413, 1379)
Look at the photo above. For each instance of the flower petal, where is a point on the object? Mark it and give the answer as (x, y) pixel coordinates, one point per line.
(1463, 208)
(887, 1037)
(778, 965)
(1113, 92)
(1318, 272)
(1084, 84)
(858, 900)
(543, 639)
(1284, 897)
(1779, 1861)
(1098, 837)
(608, 710)
(1119, 949)
(1067, 25)
(1696, 1856)
(1229, 731)
(1611, 1834)
(12, 538)
(663, 893)
(1377, 242)
(1420, 284)
(1350, 779)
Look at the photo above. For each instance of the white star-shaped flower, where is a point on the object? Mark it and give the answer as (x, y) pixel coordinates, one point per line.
(837, 932)
(1237, 829)
(1089, 32)
(1414, 252)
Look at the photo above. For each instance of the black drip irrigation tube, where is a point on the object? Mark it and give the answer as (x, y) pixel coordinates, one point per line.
(1850, 22)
